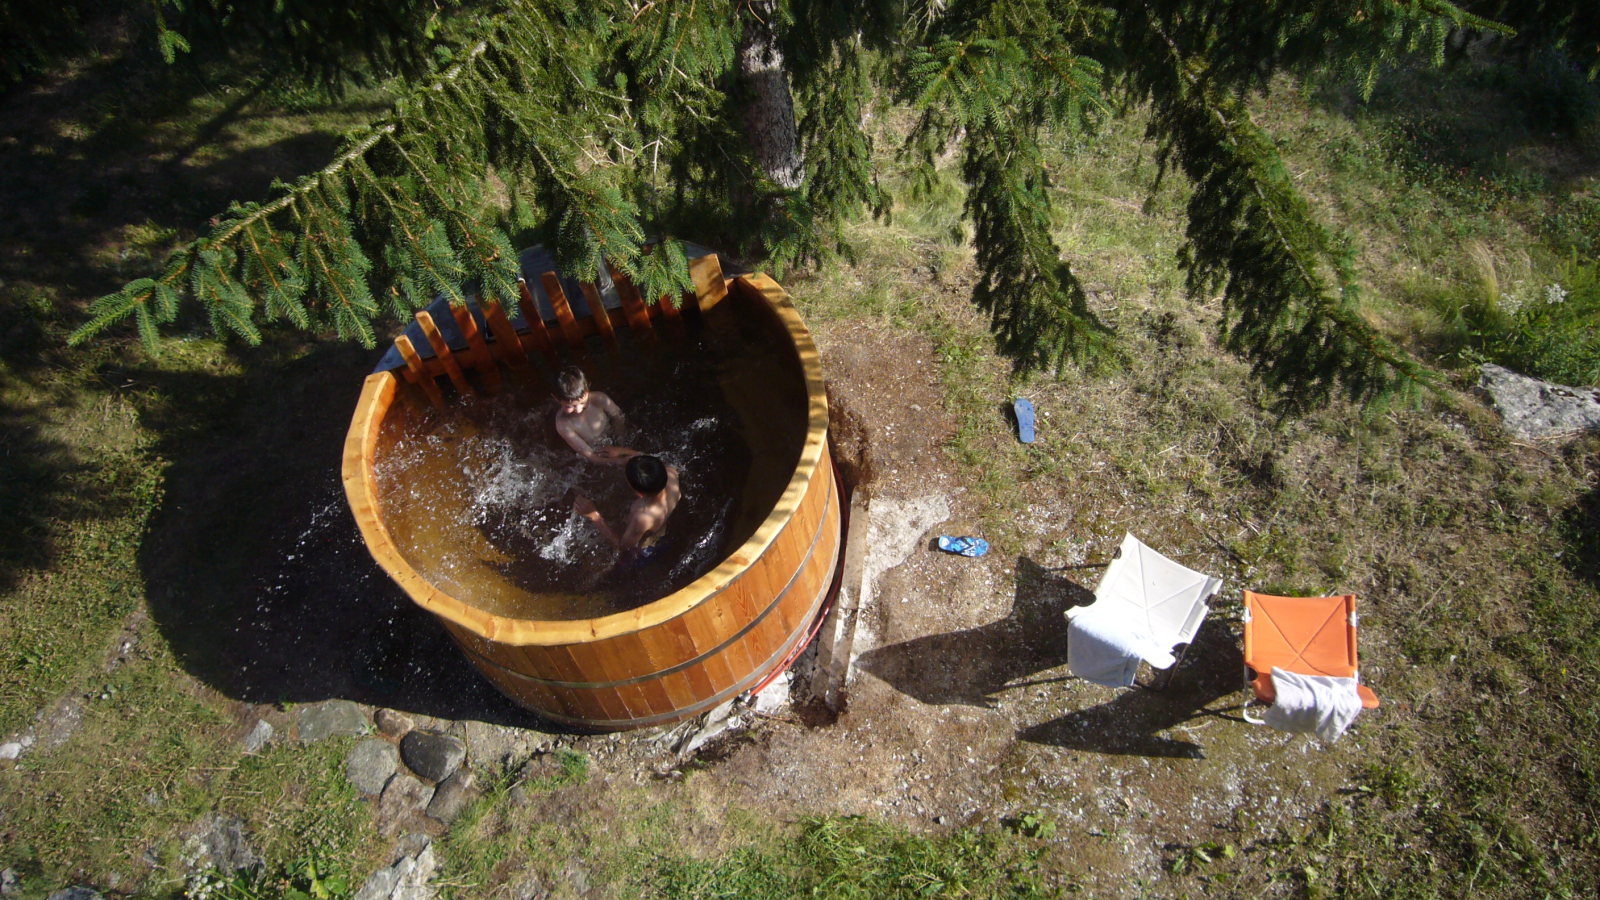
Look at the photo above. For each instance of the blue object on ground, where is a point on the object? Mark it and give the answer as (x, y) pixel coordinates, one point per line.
(964, 546)
(1024, 409)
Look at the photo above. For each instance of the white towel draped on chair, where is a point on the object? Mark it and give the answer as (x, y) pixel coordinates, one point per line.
(1104, 650)
(1312, 704)
(1145, 606)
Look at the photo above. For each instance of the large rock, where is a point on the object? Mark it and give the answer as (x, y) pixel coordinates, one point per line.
(370, 765)
(1535, 409)
(331, 718)
(454, 795)
(432, 755)
(219, 842)
(402, 802)
(407, 879)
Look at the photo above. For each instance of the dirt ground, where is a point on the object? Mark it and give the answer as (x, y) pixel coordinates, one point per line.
(963, 711)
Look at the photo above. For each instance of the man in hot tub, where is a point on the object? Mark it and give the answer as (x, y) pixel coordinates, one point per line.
(588, 418)
(656, 485)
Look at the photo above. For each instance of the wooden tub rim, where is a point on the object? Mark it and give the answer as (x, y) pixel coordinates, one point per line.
(377, 394)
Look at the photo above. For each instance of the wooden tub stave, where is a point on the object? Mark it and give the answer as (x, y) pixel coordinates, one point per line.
(693, 649)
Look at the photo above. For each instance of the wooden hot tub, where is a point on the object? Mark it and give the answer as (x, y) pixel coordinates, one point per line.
(688, 651)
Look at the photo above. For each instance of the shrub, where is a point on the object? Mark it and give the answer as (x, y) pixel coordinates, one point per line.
(1556, 336)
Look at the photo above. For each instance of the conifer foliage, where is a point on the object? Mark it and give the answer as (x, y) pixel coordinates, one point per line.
(617, 118)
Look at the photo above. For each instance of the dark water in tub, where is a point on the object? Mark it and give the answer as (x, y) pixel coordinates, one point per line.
(478, 496)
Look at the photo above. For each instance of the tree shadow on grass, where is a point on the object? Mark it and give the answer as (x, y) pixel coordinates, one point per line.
(1132, 724)
(85, 153)
(255, 571)
(1582, 523)
(970, 666)
(114, 143)
(41, 484)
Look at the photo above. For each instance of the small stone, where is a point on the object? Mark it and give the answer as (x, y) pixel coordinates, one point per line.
(58, 726)
(76, 893)
(8, 882)
(331, 718)
(938, 820)
(403, 798)
(530, 888)
(219, 842)
(432, 755)
(10, 750)
(394, 724)
(454, 795)
(545, 767)
(370, 765)
(410, 844)
(577, 875)
(257, 738)
(413, 885)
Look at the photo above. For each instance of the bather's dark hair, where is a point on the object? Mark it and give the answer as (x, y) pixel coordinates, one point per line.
(647, 475)
(571, 383)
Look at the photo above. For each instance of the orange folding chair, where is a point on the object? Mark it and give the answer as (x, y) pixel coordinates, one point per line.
(1304, 635)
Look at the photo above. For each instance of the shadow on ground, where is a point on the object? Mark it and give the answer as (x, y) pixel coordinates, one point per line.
(41, 482)
(255, 571)
(1132, 724)
(968, 667)
(84, 154)
(114, 143)
(1582, 522)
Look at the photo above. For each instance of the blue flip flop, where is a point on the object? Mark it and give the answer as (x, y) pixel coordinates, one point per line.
(964, 546)
(1024, 410)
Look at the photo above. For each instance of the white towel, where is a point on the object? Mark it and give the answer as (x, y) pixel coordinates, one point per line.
(1104, 650)
(1310, 704)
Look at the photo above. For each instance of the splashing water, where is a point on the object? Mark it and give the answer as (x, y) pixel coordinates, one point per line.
(478, 496)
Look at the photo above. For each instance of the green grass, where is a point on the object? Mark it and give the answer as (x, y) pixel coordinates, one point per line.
(151, 756)
(629, 844)
(854, 858)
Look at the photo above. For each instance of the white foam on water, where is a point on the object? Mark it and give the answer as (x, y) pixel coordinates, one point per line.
(560, 549)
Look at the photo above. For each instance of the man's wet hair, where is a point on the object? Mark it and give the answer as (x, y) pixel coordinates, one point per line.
(571, 384)
(647, 475)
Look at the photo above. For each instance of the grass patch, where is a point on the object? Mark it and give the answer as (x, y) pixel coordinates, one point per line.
(149, 757)
(856, 858)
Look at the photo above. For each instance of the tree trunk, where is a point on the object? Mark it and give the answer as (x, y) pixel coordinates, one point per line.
(768, 111)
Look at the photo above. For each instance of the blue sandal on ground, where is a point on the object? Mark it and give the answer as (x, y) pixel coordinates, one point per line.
(1024, 410)
(964, 546)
